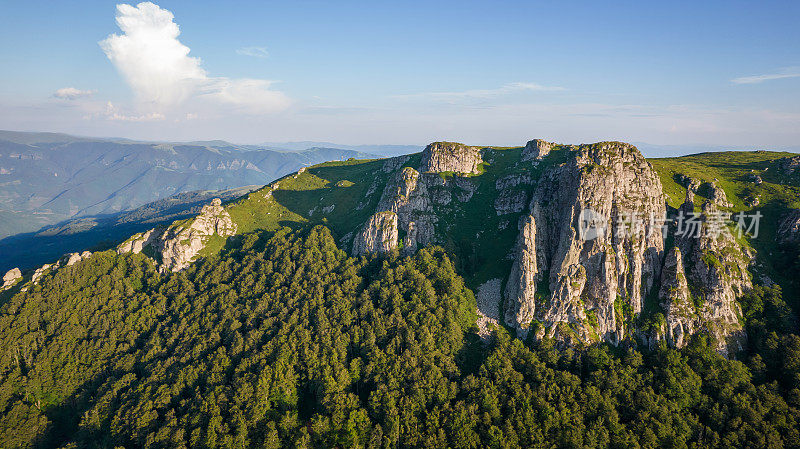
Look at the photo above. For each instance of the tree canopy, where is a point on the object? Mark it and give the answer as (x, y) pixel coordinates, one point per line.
(284, 340)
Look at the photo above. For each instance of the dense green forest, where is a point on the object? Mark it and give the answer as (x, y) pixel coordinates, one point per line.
(283, 340)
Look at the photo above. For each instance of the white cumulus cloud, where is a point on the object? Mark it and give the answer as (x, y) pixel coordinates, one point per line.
(71, 93)
(157, 66)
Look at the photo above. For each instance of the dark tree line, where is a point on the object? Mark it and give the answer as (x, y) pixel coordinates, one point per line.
(285, 341)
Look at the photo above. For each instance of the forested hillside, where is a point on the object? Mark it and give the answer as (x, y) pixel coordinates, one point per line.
(283, 340)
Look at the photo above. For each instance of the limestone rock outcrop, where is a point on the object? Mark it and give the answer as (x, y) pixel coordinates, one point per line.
(591, 243)
(65, 261)
(440, 157)
(413, 196)
(378, 235)
(513, 180)
(716, 270)
(717, 194)
(536, 150)
(39, 272)
(179, 244)
(407, 195)
(510, 201)
(11, 277)
(588, 250)
(691, 184)
(137, 242)
(73, 258)
(676, 301)
(512, 193)
(393, 163)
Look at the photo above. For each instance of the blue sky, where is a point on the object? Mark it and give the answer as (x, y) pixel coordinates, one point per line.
(679, 73)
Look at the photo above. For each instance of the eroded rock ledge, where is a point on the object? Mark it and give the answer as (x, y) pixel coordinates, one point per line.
(378, 235)
(179, 244)
(412, 196)
(440, 157)
(703, 276)
(11, 277)
(536, 150)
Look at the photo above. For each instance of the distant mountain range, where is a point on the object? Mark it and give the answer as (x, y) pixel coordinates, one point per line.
(95, 232)
(48, 177)
(380, 150)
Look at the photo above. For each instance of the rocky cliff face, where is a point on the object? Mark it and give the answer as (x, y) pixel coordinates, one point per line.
(413, 196)
(586, 261)
(676, 301)
(536, 150)
(512, 193)
(379, 234)
(587, 254)
(440, 157)
(407, 195)
(708, 274)
(178, 245)
(590, 249)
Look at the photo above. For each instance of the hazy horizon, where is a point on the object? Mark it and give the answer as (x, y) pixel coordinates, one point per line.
(649, 149)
